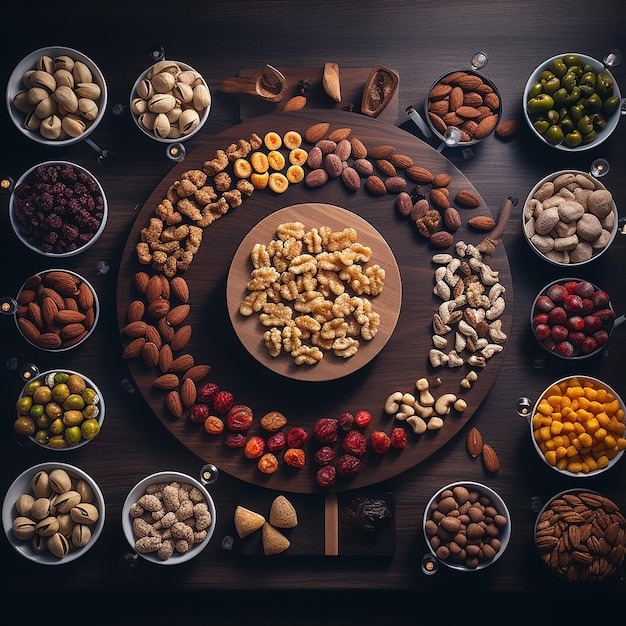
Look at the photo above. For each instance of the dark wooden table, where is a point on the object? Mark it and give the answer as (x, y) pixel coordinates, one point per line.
(421, 40)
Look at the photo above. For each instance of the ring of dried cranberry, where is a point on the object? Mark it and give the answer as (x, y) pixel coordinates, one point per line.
(355, 442)
(325, 430)
(276, 442)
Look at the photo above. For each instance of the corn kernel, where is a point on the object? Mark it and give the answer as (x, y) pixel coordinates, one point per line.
(550, 457)
(575, 467)
(602, 462)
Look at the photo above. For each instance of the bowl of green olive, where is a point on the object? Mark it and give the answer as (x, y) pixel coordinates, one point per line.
(572, 102)
(59, 410)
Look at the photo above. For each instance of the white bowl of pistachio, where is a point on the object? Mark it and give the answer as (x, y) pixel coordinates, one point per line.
(53, 513)
(56, 96)
(170, 101)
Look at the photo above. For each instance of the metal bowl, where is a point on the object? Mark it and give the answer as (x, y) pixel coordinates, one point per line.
(573, 442)
(16, 85)
(477, 490)
(611, 119)
(139, 490)
(542, 247)
(25, 547)
(65, 229)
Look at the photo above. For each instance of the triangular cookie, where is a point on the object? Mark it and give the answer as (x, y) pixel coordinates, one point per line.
(282, 513)
(273, 540)
(247, 521)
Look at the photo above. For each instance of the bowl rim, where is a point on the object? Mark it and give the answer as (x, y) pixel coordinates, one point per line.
(550, 177)
(53, 255)
(540, 397)
(138, 490)
(611, 122)
(96, 312)
(468, 70)
(90, 383)
(25, 547)
(26, 63)
(165, 140)
(543, 291)
(496, 500)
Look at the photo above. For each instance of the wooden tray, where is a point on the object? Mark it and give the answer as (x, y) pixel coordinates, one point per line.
(403, 360)
(386, 304)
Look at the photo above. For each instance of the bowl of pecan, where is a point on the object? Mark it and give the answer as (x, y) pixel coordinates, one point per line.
(56, 96)
(168, 518)
(467, 526)
(581, 536)
(577, 426)
(464, 100)
(56, 310)
(58, 209)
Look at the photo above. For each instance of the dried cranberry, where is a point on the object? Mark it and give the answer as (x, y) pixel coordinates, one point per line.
(398, 438)
(346, 421)
(380, 441)
(325, 430)
(324, 455)
(199, 413)
(348, 465)
(235, 440)
(255, 447)
(223, 401)
(295, 457)
(297, 437)
(355, 442)
(239, 417)
(326, 476)
(207, 393)
(362, 419)
(277, 441)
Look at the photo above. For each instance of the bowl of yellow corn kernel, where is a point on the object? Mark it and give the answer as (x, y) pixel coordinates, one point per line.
(577, 426)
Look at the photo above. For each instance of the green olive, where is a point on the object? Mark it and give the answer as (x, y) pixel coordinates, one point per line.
(57, 427)
(30, 388)
(24, 425)
(541, 126)
(572, 60)
(42, 437)
(61, 377)
(37, 410)
(598, 121)
(589, 137)
(554, 134)
(73, 435)
(22, 406)
(604, 84)
(540, 104)
(42, 395)
(54, 410)
(90, 428)
(577, 111)
(610, 105)
(593, 103)
(60, 392)
(89, 395)
(91, 410)
(558, 67)
(567, 124)
(57, 441)
(585, 125)
(43, 421)
(73, 401)
(553, 116)
(73, 418)
(76, 383)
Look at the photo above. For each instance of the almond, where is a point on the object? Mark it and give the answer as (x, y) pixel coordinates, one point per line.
(65, 287)
(166, 381)
(57, 276)
(339, 134)
(197, 372)
(472, 99)
(315, 133)
(71, 304)
(468, 81)
(48, 341)
(437, 122)
(54, 295)
(178, 314)
(474, 442)
(506, 128)
(29, 330)
(181, 338)
(441, 239)
(401, 161)
(359, 151)
(154, 289)
(492, 101)
(188, 393)
(159, 307)
(182, 363)
(174, 404)
(375, 185)
(482, 222)
(35, 315)
(26, 295)
(485, 126)
(150, 354)
(490, 458)
(467, 198)
(86, 299)
(442, 180)
(439, 198)
(153, 335)
(68, 316)
(455, 98)
(165, 358)
(386, 167)
(467, 112)
(133, 349)
(418, 174)
(74, 340)
(141, 280)
(135, 312)
(135, 329)
(49, 308)
(180, 288)
(165, 330)
(439, 107)
(439, 91)
(381, 152)
(69, 331)
(451, 219)
(453, 77)
(296, 103)
(165, 286)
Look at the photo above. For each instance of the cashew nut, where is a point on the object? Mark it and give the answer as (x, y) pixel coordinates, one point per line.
(490, 349)
(442, 258)
(477, 361)
(434, 423)
(405, 411)
(439, 326)
(496, 309)
(442, 289)
(439, 342)
(443, 404)
(417, 424)
(460, 405)
(496, 333)
(437, 357)
(392, 404)
(454, 359)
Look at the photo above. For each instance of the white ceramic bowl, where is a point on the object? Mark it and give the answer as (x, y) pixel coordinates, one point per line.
(64, 346)
(496, 501)
(16, 85)
(139, 490)
(94, 408)
(576, 441)
(610, 223)
(49, 238)
(21, 485)
(137, 97)
(611, 120)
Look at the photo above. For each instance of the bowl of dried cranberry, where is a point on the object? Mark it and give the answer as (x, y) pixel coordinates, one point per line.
(58, 209)
(573, 318)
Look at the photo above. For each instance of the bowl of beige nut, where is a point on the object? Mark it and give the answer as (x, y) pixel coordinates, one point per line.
(168, 518)
(170, 101)
(56, 96)
(53, 513)
(569, 218)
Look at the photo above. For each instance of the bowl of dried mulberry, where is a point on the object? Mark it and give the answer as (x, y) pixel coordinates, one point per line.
(168, 518)
(58, 209)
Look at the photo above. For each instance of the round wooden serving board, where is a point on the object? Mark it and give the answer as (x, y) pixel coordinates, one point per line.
(386, 304)
(402, 360)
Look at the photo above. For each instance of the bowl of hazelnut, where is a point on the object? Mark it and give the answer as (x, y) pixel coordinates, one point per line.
(168, 518)
(467, 526)
(573, 318)
(56, 96)
(569, 218)
(53, 513)
(58, 209)
(577, 426)
(170, 101)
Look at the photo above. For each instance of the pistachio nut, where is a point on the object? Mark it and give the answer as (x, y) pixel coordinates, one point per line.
(81, 535)
(174, 133)
(47, 107)
(24, 504)
(88, 89)
(189, 77)
(174, 114)
(58, 545)
(162, 125)
(66, 524)
(138, 106)
(65, 502)
(188, 121)
(39, 78)
(73, 125)
(60, 480)
(161, 103)
(41, 508)
(164, 66)
(23, 527)
(201, 97)
(32, 121)
(37, 94)
(64, 62)
(88, 109)
(163, 82)
(64, 78)
(145, 90)
(85, 513)
(51, 127)
(85, 490)
(26, 78)
(47, 527)
(183, 92)
(39, 543)
(46, 64)
(40, 484)
(81, 73)
(21, 102)
(146, 120)
(66, 97)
